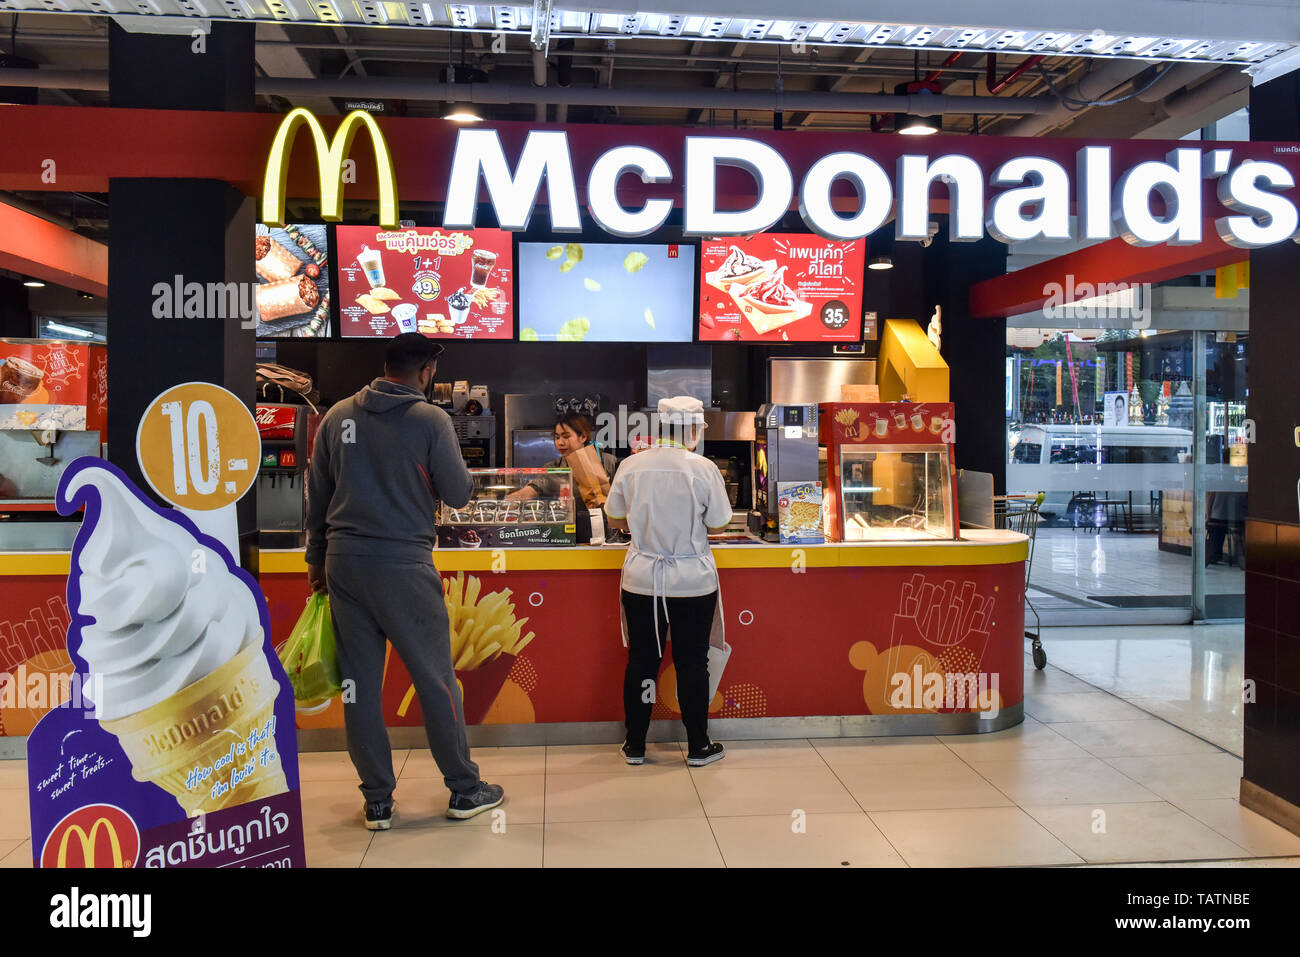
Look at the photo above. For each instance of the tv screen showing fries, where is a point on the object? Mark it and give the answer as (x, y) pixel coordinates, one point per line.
(445, 284)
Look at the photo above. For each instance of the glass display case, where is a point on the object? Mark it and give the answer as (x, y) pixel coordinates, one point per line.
(512, 508)
(895, 492)
(888, 472)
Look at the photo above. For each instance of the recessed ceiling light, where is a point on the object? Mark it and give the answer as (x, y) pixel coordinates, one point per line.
(34, 284)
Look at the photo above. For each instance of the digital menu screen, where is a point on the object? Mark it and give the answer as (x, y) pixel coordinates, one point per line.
(446, 284)
(293, 293)
(606, 292)
(781, 287)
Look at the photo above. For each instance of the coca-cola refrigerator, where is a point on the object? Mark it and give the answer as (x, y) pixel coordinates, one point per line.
(282, 478)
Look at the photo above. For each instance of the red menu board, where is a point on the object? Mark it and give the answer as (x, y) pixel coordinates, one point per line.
(446, 284)
(781, 287)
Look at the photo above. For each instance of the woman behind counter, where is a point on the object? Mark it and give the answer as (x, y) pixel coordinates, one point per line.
(572, 432)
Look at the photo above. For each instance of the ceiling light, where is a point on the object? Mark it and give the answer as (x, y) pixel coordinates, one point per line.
(462, 113)
(880, 262)
(34, 284)
(69, 330)
(910, 125)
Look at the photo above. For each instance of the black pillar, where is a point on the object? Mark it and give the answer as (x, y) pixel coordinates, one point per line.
(975, 348)
(160, 229)
(1271, 777)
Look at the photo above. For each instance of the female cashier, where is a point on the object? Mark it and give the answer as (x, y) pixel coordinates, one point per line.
(572, 432)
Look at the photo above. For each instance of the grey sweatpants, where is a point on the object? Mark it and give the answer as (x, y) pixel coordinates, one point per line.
(400, 602)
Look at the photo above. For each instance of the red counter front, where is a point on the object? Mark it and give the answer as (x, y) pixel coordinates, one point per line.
(926, 638)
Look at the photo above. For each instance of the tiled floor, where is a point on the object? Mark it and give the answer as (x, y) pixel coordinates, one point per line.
(1190, 675)
(1089, 779)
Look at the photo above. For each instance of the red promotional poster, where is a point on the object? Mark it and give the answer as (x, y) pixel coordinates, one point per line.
(781, 287)
(49, 384)
(445, 284)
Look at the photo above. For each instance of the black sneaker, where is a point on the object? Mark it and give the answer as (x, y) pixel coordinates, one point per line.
(484, 797)
(698, 759)
(379, 815)
(632, 755)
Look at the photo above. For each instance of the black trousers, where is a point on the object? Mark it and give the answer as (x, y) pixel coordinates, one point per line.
(689, 623)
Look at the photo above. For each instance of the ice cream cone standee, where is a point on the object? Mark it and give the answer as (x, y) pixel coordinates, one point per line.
(189, 757)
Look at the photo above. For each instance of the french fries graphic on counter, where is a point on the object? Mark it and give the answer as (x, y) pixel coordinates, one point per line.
(848, 418)
(482, 626)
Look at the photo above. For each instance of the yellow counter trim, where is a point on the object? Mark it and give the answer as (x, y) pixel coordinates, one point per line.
(37, 564)
(993, 549)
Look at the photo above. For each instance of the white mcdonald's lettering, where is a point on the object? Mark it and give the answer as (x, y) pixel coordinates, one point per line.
(1029, 196)
(546, 153)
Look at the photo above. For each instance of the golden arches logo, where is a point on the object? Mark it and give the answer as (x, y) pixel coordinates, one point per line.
(85, 826)
(330, 156)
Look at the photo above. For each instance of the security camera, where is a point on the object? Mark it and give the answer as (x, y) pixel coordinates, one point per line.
(932, 230)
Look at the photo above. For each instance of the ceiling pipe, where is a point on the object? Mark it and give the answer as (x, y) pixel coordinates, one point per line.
(996, 86)
(1207, 94)
(952, 59)
(1173, 80)
(768, 101)
(1093, 86)
(563, 77)
(539, 82)
(375, 87)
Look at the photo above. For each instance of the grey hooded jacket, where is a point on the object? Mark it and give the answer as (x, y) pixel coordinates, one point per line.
(382, 460)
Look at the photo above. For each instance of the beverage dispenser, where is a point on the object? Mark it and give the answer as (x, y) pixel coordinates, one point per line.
(282, 479)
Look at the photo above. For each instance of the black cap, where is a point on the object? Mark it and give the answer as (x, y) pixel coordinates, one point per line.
(411, 350)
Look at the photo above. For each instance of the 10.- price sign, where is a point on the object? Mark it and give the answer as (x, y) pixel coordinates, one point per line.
(199, 449)
(198, 446)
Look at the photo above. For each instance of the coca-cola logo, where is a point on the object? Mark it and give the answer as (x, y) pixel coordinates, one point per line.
(276, 419)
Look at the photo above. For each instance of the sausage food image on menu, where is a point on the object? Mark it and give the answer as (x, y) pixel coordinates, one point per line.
(293, 272)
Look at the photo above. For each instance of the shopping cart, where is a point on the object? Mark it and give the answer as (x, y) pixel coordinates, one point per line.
(1019, 513)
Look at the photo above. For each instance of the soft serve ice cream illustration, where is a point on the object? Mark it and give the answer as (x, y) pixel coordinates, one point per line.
(178, 640)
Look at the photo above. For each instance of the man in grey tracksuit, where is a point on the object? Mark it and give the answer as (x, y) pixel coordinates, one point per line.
(381, 460)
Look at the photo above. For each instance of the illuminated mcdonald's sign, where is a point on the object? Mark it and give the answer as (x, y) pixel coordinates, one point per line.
(76, 840)
(330, 157)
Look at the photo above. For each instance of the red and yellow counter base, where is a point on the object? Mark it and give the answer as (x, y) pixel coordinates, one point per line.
(826, 640)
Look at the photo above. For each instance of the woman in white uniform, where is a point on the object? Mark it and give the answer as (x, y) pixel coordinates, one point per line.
(669, 498)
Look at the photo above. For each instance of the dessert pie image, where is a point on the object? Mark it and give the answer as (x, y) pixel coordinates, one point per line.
(739, 269)
(770, 304)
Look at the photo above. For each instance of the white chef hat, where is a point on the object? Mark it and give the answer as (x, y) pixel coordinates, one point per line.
(681, 410)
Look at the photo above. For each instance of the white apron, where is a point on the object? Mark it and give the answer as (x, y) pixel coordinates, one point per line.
(719, 650)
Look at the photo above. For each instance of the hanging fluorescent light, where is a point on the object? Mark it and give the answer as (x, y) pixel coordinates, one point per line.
(69, 330)
(880, 262)
(34, 284)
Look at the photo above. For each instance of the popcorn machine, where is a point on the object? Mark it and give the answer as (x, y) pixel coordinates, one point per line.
(889, 472)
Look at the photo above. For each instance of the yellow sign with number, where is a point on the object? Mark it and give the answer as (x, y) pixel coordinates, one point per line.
(198, 446)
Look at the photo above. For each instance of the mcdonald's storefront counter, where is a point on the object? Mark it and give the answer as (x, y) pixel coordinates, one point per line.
(851, 639)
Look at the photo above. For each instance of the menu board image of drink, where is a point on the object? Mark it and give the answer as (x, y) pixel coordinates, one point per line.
(606, 292)
(781, 287)
(293, 293)
(445, 284)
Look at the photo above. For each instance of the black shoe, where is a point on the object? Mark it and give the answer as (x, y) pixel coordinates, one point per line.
(482, 798)
(379, 815)
(632, 755)
(698, 759)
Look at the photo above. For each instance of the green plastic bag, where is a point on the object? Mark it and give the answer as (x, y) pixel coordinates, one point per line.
(310, 658)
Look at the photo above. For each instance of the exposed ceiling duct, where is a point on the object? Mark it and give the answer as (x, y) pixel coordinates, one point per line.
(1207, 94)
(1093, 86)
(489, 93)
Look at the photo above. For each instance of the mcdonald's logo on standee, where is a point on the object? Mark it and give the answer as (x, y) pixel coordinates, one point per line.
(330, 157)
(98, 835)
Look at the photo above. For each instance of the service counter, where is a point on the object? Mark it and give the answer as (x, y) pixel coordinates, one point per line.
(835, 639)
